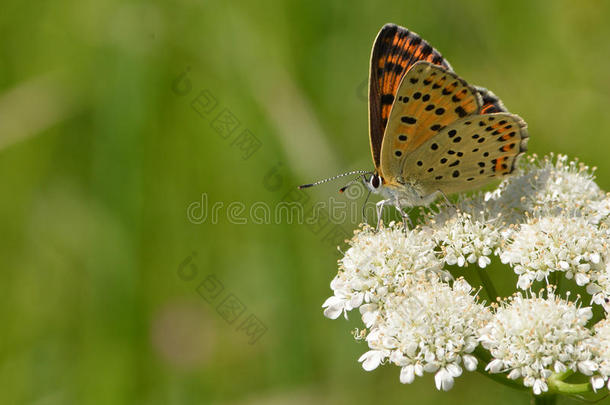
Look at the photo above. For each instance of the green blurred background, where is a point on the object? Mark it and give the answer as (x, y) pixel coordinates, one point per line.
(102, 153)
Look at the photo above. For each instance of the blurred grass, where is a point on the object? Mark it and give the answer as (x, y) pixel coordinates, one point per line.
(100, 160)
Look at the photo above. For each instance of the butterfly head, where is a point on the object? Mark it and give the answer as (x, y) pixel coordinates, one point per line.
(373, 183)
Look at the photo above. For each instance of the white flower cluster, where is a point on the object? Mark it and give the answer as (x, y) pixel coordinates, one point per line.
(550, 183)
(563, 229)
(469, 234)
(531, 338)
(549, 222)
(550, 244)
(378, 263)
(431, 328)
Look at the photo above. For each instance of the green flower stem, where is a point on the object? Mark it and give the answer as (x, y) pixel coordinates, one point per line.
(562, 376)
(555, 279)
(558, 386)
(555, 381)
(487, 284)
(544, 399)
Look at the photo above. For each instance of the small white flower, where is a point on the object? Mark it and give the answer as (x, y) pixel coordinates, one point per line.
(496, 365)
(372, 359)
(587, 367)
(470, 362)
(540, 386)
(408, 373)
(369, 314)
(443, 380)
(333, 307)
(534, 337)
(597, 382)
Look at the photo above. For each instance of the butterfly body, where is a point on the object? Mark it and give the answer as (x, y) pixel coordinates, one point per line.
(431, 132)
(406, 193)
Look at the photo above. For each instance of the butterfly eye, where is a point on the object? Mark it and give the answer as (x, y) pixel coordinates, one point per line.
(375, 181)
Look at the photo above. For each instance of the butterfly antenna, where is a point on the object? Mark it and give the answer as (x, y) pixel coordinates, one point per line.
(349, 184)
(334, 177)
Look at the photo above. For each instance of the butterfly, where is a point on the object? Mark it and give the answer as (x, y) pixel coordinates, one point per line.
(431, 133)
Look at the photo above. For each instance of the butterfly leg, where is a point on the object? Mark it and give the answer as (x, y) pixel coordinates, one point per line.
(379, 207)
(405, 218)
(449, 203)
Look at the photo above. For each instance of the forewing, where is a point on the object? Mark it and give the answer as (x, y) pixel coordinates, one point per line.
(429, 98)
(468, 153)
(395, 50)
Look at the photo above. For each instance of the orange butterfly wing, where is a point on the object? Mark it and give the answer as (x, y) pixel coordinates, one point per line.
(395, 50)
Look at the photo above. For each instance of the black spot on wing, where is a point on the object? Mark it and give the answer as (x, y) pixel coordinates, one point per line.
(387, 99)
(461, 112)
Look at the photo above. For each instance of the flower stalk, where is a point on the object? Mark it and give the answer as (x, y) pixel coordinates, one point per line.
(558, 385)
(548, 399)
(487, 285)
